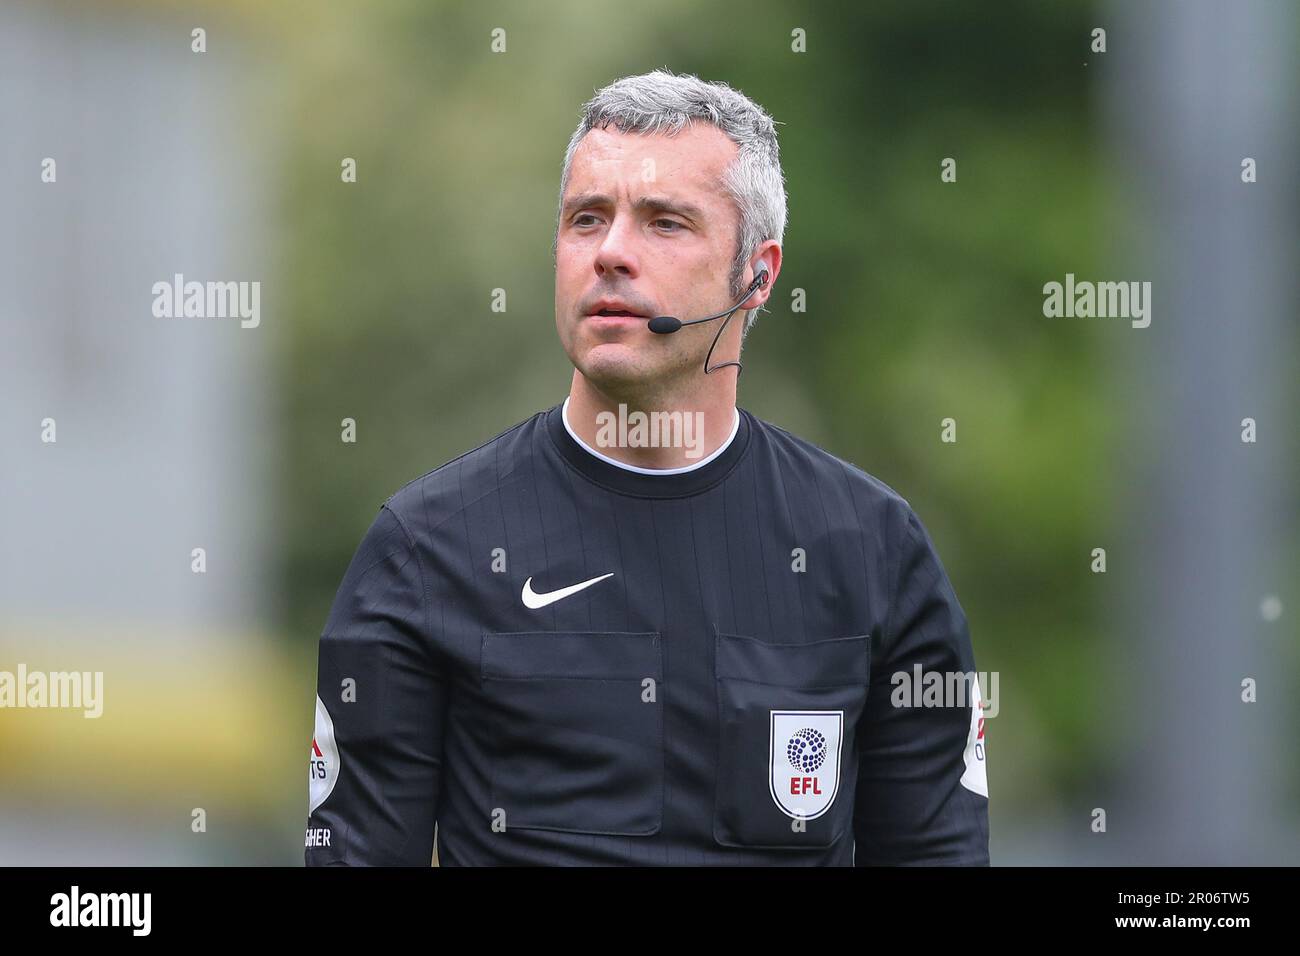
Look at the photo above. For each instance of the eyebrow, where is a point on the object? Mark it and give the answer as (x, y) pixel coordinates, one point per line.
(645, 203)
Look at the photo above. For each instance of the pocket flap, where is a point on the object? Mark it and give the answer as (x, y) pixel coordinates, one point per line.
(829, 663)
(575, 655)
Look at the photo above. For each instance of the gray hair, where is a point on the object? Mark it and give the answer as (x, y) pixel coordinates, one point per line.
(664, 102)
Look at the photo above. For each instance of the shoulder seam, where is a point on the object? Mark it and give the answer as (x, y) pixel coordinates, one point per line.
(800, 440)
(453, 461)
(898, 567)
(419, 568)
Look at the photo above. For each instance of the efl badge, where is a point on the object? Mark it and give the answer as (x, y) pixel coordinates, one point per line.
(804, 760)
(324, 768)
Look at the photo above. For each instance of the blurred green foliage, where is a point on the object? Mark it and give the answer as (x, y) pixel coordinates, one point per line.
(924, 298)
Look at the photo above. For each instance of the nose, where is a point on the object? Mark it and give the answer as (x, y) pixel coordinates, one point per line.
(616, 257)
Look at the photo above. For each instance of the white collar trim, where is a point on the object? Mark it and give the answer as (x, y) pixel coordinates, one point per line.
(735, 427)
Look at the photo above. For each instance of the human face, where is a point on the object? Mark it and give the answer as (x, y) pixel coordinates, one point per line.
(645, 227)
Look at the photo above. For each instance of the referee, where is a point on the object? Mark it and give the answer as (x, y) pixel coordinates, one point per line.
(644, 626)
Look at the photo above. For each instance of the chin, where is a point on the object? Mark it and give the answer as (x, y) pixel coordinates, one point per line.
(613, 364)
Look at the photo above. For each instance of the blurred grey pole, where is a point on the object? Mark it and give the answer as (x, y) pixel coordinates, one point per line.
(1190, 89)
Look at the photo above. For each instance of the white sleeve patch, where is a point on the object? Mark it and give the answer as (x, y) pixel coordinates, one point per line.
(323, 771)
(974, 778)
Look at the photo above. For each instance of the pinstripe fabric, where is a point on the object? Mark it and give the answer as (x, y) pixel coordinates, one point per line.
(591, 730)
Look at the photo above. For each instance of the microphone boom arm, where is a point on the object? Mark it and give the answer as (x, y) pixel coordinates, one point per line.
(665, 324)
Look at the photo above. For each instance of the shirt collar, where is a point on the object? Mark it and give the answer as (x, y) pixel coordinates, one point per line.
(648, 482)
(735, 427)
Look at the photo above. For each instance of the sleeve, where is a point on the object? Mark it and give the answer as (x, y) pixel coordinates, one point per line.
(376, 752)
(922, 793)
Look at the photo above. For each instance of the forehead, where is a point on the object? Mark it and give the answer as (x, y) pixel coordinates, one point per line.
(688, 164)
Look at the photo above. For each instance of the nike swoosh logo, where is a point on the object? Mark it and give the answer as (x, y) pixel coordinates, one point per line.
(534, 600)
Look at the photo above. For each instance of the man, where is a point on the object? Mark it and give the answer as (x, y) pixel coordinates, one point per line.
(643, 626)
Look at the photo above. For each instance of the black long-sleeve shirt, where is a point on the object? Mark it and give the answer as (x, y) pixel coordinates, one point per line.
(558, 660)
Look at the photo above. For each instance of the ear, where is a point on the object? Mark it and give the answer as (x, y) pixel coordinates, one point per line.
(767, 258)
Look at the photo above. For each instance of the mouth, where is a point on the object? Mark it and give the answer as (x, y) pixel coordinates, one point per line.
(615, 314)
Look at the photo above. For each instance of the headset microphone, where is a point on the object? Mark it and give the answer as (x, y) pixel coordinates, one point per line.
(667, 324)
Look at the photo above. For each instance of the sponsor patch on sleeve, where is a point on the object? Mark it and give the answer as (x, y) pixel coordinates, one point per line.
(974, 778)
(323, 770)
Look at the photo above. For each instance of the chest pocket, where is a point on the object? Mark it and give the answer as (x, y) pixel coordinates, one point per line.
(572, 741)
(787, 740)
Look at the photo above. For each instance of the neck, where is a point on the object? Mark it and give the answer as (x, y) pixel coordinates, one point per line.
(663, 430)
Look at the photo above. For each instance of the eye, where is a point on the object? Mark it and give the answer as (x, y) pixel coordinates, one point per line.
(672, 222)
(582, 215)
